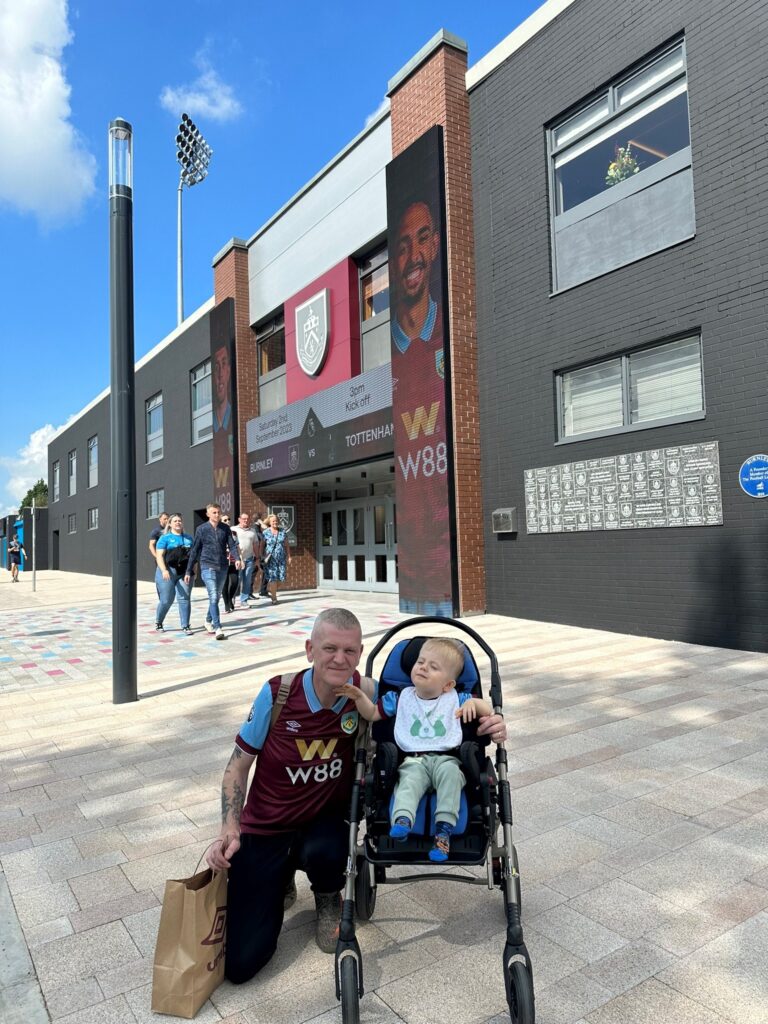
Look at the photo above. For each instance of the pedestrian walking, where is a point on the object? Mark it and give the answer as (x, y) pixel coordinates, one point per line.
(16, 552)
(213, 541)
(277, 555)
(156, 534)
(233, 576)
(172, 557)
(250, 542)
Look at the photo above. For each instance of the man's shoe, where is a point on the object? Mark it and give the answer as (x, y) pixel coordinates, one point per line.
(159, 627)
(220, 634)
(290, 894)
(328, 906)
(187, 630)
(209, 627)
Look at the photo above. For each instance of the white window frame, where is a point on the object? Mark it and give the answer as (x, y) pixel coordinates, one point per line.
(201, 419)
(154, 449)
(93, 461)
(610, 113)
(72, 472)
(628, 425)
(272, 385)
(72, 523)
(56, 480)
(93, 518)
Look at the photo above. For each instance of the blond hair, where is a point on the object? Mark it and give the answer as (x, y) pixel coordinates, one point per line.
(452, 652)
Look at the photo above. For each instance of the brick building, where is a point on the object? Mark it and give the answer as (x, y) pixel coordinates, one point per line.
(554, 409)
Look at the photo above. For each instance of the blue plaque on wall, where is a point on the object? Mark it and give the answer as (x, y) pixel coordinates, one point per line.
(753, 476)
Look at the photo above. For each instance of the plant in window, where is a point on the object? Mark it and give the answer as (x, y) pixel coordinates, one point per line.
(623, 165)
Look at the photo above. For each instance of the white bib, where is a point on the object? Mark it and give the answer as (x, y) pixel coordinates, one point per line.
(424, 725)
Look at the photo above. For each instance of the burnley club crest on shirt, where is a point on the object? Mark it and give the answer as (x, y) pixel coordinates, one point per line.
(349, 722)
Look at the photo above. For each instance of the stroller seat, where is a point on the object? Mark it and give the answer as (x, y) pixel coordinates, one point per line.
(469, 841)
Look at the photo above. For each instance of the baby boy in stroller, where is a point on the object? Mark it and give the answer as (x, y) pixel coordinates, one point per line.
(428, 731)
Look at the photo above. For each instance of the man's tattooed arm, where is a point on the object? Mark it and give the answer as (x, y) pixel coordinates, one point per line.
(234, 786)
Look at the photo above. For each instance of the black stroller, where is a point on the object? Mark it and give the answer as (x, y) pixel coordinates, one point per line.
(485, 804)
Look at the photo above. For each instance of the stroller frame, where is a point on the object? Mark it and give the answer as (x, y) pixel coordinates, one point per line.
(366, 867)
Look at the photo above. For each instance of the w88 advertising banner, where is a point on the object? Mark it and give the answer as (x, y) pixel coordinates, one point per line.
(222, 322)
(421, 379)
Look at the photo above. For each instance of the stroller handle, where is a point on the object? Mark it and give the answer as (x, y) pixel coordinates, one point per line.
(495, 691)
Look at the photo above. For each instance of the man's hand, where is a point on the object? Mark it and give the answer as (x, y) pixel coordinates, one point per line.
(166, 574)
(187, 578)
(239, 565)
(222, 851)
(493, 726)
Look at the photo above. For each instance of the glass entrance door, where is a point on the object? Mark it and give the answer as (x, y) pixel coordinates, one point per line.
(357, 544)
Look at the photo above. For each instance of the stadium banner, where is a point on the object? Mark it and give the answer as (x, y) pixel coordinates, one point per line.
(421, 412)
(347, 423)
(222, 321)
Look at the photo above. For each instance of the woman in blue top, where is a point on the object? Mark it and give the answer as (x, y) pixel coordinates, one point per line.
(276, 555)
(172, 555)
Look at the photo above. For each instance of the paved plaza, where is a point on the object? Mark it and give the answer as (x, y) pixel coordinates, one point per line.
(640, 789)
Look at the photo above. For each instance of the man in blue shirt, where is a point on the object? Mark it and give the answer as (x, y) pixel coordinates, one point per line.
(213, 541)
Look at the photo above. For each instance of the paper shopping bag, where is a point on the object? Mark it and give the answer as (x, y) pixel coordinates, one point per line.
(189, 955)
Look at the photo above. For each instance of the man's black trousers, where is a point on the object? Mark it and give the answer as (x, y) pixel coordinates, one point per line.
(257, 880)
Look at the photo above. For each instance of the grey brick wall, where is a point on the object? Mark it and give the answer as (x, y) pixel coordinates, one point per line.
(704, 585)
(185, 471)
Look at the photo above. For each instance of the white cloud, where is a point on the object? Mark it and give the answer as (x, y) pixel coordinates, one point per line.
(207, 96)
(26, 467)
(384, 105)
(47, 170)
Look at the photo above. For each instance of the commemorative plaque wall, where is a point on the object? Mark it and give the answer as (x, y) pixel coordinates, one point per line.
(662, 487)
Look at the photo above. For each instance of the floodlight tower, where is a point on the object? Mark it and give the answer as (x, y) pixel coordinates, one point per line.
(193, 154)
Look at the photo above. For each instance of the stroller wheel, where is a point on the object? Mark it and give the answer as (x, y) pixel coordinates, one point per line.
(519, 993)
(365, 890)
(350, 997)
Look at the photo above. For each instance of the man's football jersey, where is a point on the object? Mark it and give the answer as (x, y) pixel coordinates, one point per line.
(305, 766)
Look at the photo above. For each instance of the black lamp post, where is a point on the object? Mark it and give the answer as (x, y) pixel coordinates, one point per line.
(122, 413)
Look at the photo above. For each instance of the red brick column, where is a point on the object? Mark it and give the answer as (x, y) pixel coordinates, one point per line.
(434, 92)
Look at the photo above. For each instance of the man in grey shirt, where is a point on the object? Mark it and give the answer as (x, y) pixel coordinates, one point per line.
(213, 541)
(250, 542)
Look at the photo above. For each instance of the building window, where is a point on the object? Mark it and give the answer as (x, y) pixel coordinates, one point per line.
(270, 345)
(154, 421)
(72, 523)
(72, 472)
(649, 387)
(201, 404)
(93, 460)
(56, 483)
(374, 310)
(93, 519)
(155, 502)
(630, 139)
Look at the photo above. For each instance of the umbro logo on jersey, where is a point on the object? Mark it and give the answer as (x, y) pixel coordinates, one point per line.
(292, 726)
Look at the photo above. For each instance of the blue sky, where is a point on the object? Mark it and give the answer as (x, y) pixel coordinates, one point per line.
(277, 89)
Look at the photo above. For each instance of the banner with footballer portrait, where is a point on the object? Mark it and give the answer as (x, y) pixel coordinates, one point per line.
(421, 410)
(223, 398)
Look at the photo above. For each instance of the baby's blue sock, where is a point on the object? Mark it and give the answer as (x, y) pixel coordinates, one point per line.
(401, 827)
(442, 844)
